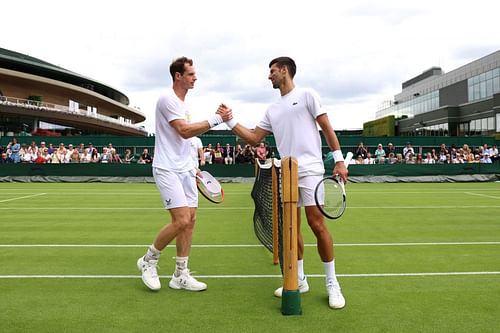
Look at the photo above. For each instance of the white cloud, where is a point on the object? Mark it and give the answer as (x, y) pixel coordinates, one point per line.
(355, 54)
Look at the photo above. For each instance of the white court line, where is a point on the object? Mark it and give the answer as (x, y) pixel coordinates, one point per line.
(247, 276)
(24, 197)
(242, 208)
(482, 195)
(235, 245)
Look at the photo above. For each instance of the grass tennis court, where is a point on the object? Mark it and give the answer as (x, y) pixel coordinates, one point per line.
(410, 258)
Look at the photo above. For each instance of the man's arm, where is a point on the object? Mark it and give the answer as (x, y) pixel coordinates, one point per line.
(189, 130)
(333, 143)
(251, 136)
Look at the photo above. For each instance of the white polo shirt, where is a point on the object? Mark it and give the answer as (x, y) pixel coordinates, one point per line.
(292, 119)
(172, 151)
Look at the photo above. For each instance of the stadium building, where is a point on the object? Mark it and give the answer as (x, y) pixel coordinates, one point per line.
(43, 99)
(463, 102)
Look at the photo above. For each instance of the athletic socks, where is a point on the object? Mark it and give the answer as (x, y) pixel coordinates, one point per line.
(152, 254)
(181, 263)
(300, 269)
(330, 272)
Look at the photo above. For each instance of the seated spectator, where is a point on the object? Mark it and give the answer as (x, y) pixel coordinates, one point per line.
(360, 160)
(238, 155)
(40, 159)
(209, 154)
(391, 159)
(381, 160)
(477, 159)
(95, 157)
(5, 159)
(24, 155)
(115, 157)
(249, 154)
(486, 159)
(129, 157)
(379, 152)
(494, 153)
(105, 156)
(261, 152)
(228, 154)
(434, 155)
(75, 156)
(369, 159)
(361, 151)
(218, 152)
(390, 149)
(428, 159)
(145, 157)
(86, 157)
(408, 149)
(418, 159)
(399, 159)
(33, 150)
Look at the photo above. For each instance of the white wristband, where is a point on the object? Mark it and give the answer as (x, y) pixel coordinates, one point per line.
(214, 120)
(231, 123)
(337, 156)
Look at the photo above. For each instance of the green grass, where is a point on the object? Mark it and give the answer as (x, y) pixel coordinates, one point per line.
(387, 230)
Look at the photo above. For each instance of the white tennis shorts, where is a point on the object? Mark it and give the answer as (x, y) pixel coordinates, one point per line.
(307, 185)
(176, 189)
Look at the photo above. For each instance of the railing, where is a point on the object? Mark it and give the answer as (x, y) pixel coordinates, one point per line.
(42, 106)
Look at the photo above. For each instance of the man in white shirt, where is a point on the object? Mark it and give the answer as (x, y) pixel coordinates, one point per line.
(293, 120)
(175, 177)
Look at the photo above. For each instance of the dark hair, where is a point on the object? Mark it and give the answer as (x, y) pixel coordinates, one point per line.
(177, 66)
(285, 61)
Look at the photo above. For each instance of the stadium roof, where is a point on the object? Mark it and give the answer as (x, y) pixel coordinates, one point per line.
(23, 63)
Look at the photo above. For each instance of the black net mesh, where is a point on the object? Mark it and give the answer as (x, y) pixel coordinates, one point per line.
(262, 195)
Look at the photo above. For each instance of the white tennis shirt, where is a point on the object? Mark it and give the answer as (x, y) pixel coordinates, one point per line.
(292, 119)
(172, 151)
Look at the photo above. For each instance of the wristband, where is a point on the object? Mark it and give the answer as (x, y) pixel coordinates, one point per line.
(231, 123)
(337, 156)
(214, 120)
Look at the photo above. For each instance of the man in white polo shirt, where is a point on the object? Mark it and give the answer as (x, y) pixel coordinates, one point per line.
(293, 120)
(175, 177)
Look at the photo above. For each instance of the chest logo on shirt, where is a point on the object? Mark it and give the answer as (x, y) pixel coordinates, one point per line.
(295, 103)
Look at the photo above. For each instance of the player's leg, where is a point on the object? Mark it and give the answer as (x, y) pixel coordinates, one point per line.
(174, 200)
(182, 278)
(324, 240)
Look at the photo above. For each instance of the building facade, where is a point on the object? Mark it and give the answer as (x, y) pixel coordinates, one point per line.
(37, 97)
(463, 102)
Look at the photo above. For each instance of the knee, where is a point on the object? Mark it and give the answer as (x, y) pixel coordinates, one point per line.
(183, 223)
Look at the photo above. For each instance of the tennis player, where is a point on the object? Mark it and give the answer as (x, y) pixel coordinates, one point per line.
(293, 120)
(175, 176)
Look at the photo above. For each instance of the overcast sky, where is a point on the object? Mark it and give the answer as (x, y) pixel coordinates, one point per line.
(354, 53)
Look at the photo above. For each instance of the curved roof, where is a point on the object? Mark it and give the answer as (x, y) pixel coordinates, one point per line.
(27, 64)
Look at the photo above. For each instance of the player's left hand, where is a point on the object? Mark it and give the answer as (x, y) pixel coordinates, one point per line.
(341, 171)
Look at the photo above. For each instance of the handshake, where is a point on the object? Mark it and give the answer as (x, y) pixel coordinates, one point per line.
(223, 114)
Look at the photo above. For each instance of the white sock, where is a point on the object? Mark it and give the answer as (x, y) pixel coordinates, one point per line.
(152, 254)
(181, 263)
(300, 269)
(330, 272)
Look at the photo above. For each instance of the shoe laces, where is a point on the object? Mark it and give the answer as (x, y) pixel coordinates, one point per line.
(152, 266)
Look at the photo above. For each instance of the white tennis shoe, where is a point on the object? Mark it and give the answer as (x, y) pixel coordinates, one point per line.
(335, 298)
(303, 288)
(186, 281)
(149, 273)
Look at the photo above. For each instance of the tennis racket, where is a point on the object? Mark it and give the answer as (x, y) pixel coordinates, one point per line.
(209, 187)
(330, 194)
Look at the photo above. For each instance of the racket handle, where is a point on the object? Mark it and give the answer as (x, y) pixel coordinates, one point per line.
(347, 159)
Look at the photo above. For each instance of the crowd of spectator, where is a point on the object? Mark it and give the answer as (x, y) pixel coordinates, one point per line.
(441, 155)
(16, 152)
(44, 153)
(228, 154)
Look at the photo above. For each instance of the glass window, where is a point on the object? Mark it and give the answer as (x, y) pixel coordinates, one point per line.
(484, 124)
(496, 85)
(491, 123)
(498, 122)
(472, 125)
(482, 89)
(489, 88)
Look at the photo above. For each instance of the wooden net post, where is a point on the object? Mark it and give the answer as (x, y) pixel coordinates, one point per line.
(290, 301)
(275, 189)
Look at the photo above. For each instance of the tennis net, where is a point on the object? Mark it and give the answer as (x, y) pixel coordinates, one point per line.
(263, 195)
